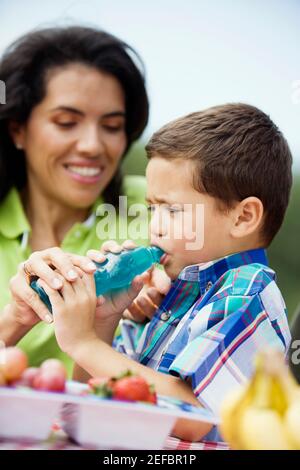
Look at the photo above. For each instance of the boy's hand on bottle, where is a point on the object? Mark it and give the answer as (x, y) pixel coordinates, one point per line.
(110, 307)
(73, 309)
(156, 284)
(110, 246)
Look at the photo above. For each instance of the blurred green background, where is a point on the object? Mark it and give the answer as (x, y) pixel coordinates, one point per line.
(284, 255)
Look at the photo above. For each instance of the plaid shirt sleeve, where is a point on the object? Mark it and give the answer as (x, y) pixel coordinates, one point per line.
(220, 356)
(127, 339)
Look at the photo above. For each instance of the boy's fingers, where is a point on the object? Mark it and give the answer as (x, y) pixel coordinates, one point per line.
(111, 246)
(143, 304)
(154, 296)
(132, 293)
(137, 283)
(83, 293)
(132, 313)
(146, 276)
(88, 282)
(160, 281)
(127, 314)
(129, 245)
(121, 301)
(78, 288)
(54, 295)
(146, 303)
(69, 288)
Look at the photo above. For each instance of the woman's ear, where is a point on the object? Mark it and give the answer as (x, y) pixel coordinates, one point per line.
(16, 131)
(247, 217)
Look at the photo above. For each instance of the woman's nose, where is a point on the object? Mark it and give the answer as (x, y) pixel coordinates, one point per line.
(90, 142)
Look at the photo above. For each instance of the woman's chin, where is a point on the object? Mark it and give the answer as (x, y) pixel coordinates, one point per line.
(84, 197)
(80, 203)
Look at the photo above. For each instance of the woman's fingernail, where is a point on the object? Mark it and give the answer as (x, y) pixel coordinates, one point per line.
(91, 266)
(48, 318)
(72, 274)
(56, 283)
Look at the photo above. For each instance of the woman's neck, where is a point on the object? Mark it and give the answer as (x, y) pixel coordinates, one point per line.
(49, 219)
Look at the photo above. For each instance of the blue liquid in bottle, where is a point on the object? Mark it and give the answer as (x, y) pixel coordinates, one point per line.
(116, 272)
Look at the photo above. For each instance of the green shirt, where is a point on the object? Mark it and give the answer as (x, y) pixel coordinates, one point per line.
(40, 342)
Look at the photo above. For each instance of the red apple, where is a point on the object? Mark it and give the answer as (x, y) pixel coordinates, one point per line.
(2, 379)
(54, 365)
(15, 362)
(27, 378)
(51, 381)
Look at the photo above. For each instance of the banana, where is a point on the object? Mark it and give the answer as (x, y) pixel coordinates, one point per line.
(262, 430)
(292, 424)
(291, 414)
(264, 414)
(227, 412)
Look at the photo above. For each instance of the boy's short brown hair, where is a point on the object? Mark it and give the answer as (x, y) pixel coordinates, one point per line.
(238, 152)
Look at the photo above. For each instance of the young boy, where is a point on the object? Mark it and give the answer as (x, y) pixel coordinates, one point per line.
(218, 187)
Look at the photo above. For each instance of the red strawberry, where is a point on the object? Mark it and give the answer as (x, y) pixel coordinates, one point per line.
(152, 398)
(97, 381)
(100, 386)
(131, 388)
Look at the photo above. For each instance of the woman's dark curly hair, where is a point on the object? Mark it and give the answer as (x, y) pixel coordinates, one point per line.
(23, 69)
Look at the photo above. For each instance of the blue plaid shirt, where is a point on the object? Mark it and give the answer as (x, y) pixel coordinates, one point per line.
(211, 324)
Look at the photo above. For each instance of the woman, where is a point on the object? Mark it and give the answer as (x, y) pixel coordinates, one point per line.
(76, 101)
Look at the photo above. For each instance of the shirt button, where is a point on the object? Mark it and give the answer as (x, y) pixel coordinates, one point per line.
(208, 286)
(165, 316)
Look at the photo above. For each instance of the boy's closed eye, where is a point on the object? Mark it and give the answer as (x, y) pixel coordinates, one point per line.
(172, 209)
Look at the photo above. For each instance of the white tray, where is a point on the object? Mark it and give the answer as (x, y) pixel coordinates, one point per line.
(92, 421)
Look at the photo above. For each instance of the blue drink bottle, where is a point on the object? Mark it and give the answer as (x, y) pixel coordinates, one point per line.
(117, 271)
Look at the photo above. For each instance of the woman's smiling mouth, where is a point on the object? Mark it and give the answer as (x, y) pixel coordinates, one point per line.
(84, 174)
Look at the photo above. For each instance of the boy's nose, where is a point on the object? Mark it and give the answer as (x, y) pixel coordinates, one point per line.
(158, 225)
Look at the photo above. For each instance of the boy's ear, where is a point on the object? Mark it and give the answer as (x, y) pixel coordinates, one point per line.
(17, 133)
(247, 217)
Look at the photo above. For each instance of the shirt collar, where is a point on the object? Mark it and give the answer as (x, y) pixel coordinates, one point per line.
(208, 273)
